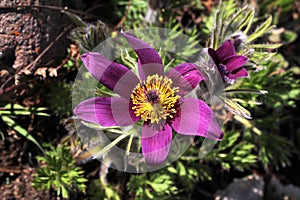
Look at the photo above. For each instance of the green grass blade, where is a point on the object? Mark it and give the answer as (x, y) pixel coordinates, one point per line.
(265, 46)
(10, 122)
(247, 20)
(99, 152)
(262, 29)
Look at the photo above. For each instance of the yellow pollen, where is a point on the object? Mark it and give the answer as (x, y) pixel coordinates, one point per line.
(154, 99)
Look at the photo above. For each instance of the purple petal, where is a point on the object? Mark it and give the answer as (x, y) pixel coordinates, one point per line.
(126, 84)
(241, 73)
(146, 53)
(225, 50)
(234, 62)
(146, 70)
(156, 142)
(149, 61)
(213, 54)
(186, 76)
(111, 74)
(106, 111)
(195, 117)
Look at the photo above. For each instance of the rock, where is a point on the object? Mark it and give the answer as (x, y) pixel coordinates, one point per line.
(284, 191)
(247, 188)
(26, 32)
(252, 187)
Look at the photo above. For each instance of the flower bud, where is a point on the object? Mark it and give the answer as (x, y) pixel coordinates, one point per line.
(238, 40)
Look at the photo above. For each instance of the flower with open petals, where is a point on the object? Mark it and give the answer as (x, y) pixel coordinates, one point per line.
(153, 97)
(229, 64)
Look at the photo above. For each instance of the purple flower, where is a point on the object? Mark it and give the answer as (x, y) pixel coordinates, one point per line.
(229, 64)
(155, 98)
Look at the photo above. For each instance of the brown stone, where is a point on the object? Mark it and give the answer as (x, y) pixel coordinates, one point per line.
(26, 32)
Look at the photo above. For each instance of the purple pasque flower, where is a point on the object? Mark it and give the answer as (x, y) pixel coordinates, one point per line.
(156, 98)
(229, 64)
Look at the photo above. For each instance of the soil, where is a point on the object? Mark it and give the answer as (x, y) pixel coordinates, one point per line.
(16, 174)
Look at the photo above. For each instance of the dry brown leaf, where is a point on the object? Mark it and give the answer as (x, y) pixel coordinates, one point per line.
(41, 71)
(4, 73)
(52, 72)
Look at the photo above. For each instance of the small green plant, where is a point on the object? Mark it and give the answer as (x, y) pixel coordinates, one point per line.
(58, 171)
(98, 190)
(157, 185)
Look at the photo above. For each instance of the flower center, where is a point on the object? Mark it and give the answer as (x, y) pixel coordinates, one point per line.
(154, 99)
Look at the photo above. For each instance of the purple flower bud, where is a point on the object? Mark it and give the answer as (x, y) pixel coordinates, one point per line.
(228, 62)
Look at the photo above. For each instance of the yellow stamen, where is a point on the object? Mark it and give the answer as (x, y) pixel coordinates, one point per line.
(154, 99)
